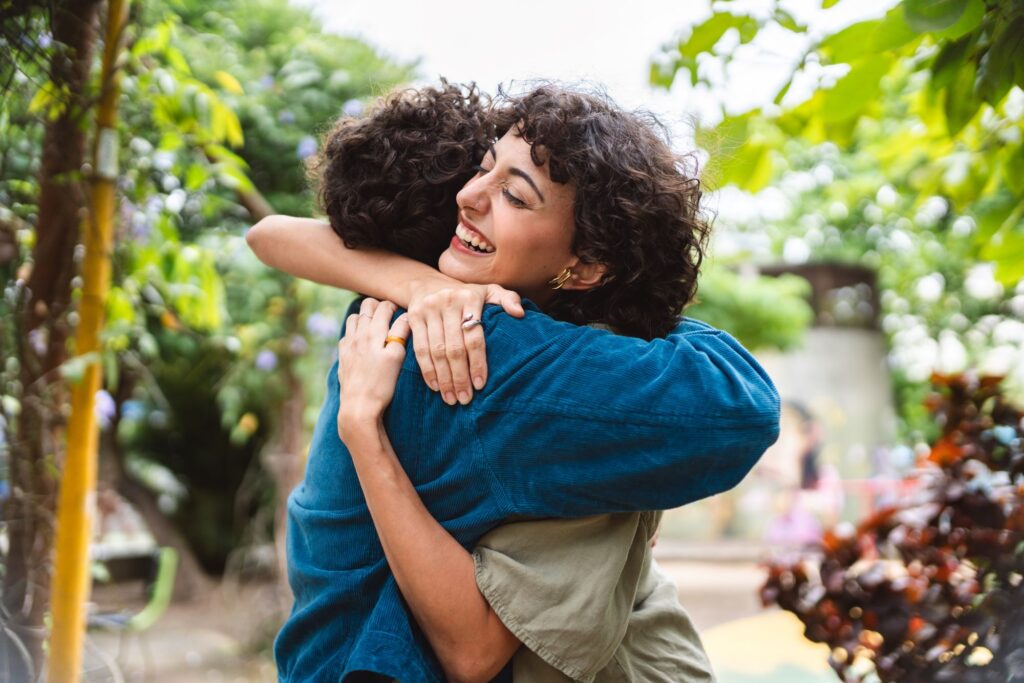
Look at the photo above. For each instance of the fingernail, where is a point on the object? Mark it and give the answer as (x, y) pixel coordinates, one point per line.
(449, 398)
(433, 385)
(463, 397)
(478, 383)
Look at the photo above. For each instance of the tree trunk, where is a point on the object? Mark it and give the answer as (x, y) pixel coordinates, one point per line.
(36, 443)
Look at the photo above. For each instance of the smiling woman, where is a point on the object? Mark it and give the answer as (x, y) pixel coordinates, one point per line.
(516, 225)
(582, 207)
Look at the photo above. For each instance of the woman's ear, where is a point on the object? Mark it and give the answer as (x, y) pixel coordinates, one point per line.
(585, 276)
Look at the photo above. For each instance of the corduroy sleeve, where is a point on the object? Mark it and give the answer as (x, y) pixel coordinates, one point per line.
(577, 421)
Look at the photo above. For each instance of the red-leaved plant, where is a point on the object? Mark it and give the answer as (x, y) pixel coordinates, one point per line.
(930, 590)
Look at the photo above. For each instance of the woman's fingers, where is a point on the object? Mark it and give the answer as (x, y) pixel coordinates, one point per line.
(381, 320)
(368, 307)
(510, 301)
(351, 325)
(438, 354)
(476, 347)
(455, 351)
(421, 347)
(399, 330)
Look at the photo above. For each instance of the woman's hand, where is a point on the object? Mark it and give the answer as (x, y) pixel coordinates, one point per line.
(368, 365)
(447, 337)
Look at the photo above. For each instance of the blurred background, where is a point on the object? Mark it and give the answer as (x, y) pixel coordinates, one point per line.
(865, 170)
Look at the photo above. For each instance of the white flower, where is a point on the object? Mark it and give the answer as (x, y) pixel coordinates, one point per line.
(795, 250)
(930, 287)
(981, 282)
(887, 196)
(175, 201)
(952, 357)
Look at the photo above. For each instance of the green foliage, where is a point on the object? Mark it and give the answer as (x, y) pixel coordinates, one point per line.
(761, 312)
(202, 344)
(909, 162)
(962, 64)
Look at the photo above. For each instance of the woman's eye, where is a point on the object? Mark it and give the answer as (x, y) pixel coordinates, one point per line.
(515, 201)
(481, 170)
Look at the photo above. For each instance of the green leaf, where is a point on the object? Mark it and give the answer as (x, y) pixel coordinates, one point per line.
(1002, 65)
(1008, 253)
(177, 61)
(195, 176)
(852, 43)
(788, 21)
(779, 96)
(961, 104)
(948, 63)
(855, 91)
(893, 32)
(726, 137)
(933, 15)
(991, 212)
(750, 168)
(748, 29)
(825, 4)
(704, 36)
(971, 19)
(228, 82)
(1013, 171)
(661, 77)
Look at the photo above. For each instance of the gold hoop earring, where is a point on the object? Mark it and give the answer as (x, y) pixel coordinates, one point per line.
(563, 277)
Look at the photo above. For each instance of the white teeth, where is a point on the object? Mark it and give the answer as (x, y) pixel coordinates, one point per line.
(472, 238)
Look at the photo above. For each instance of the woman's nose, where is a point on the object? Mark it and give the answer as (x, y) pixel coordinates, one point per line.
(473, 195)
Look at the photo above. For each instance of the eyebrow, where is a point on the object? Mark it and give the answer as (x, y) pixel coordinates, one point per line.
(521, 173)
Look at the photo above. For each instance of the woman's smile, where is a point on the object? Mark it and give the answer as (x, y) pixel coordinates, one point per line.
(468, 238)
(515, 224)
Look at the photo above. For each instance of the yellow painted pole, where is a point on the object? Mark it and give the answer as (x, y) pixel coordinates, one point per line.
(76, 504)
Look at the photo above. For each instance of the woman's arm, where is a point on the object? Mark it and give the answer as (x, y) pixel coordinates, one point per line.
(453, 360)
(309, 249)
(434, 572)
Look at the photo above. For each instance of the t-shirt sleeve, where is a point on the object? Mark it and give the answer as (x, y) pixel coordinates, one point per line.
(565, 587)
(577, 421)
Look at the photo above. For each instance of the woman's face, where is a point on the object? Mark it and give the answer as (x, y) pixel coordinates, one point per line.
(519, 219)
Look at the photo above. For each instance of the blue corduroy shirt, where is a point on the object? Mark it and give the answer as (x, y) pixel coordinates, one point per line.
(573, 421)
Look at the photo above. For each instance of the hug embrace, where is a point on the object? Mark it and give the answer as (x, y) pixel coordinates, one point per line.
(516, 398)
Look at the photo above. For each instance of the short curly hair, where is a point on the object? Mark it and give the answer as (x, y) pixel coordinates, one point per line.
(636, 209)
(389, 179)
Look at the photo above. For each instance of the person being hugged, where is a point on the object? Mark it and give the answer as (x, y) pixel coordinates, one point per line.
(594, 402)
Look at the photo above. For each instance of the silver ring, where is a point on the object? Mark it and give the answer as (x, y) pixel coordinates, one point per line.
(471, 323)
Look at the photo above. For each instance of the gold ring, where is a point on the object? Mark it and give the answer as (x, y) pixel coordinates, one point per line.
(388, 340)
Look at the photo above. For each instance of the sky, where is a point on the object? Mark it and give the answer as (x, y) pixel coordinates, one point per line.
(601, 42)
(608, 44)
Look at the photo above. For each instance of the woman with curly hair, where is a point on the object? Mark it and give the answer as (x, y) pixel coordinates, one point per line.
(582, 209)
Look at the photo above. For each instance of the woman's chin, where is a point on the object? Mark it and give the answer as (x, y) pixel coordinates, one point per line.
(455, 265)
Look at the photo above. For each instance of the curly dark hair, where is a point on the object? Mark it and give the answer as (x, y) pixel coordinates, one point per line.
(389, 180)
(637, 206)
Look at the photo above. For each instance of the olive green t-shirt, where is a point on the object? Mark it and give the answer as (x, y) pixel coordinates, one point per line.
(588, 602)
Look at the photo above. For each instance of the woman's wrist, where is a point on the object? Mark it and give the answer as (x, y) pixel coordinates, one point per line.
(417, 288)
(360, 422)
